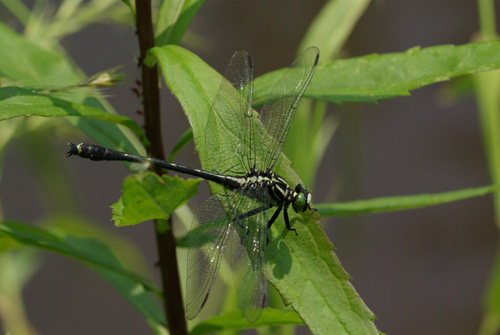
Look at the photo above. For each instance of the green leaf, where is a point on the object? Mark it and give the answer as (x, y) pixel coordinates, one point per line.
(487, 86)
(130, 6)
(18, 10)
(456, 90)
(313, 129)
(333, 24)
(32, 63)
(308, 275)
(173, 19)
(16, 269)
(236, 321)
(130, 255)
(389, 204)
(304, 269)
(137, 297)
(491, 318)
(88, 250)
(374, 77)
(148, 196)
(193, 83)
(186, 138)
(40, 68)
(99, 257)
(16, 102)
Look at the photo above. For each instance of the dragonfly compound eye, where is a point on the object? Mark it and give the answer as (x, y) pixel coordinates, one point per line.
(300, 203)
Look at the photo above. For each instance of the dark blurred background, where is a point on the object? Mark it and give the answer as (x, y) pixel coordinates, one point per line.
(420, 271)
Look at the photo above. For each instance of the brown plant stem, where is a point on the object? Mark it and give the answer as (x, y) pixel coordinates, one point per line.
(172, 297)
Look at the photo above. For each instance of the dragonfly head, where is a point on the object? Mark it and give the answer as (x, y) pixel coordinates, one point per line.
(303, 199)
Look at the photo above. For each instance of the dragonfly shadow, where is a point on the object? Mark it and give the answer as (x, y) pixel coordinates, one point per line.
(278, 255)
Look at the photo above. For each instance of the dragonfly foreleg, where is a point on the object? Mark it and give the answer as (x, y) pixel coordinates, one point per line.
(287, 221)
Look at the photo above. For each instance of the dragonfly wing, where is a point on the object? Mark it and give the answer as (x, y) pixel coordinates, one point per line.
(207, 242)
(247, 250)
(229, 130)
(277, 113)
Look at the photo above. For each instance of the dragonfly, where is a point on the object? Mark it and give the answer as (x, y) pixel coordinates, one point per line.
(244, 146)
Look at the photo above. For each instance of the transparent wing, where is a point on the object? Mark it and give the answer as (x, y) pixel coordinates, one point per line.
(209, 235)
(247, 249)
(277, 113)
(229, 130)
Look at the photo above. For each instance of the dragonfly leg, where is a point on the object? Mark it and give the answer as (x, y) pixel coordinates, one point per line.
(287, 221)
(273, 218)
(247, 215)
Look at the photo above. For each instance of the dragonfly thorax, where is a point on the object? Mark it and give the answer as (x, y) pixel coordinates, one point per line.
(281, 194)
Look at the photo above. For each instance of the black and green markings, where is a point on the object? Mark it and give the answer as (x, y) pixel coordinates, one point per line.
(239, 217)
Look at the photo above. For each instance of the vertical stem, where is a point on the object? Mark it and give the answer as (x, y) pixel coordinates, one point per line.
(150, 82)
(487, 19)
(487, 85)
(172, 297)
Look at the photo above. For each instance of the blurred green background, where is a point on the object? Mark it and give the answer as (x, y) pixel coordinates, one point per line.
(420, 271)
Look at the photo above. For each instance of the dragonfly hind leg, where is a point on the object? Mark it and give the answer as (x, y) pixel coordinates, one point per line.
(273, 218)
(244, 216)
(287, 220)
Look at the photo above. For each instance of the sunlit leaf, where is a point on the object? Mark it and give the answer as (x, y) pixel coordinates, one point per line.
(149, 196)
(325, 300)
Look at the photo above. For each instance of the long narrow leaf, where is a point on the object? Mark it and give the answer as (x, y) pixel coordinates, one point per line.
(374, 77)
(173, 19)
(136, 295)
(16, 102)
(390, 204)
(333, 25)
(312, 129)
(88, 250)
